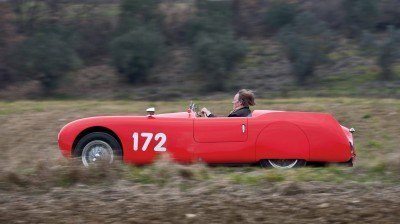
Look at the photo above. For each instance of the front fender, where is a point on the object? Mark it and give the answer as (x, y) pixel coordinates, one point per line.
(69, 133)
(66, 138)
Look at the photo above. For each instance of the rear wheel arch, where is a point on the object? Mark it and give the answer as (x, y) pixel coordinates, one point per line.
(286, 130)
(92, 130)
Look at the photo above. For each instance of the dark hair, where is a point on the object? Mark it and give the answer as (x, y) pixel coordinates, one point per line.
(246, 97)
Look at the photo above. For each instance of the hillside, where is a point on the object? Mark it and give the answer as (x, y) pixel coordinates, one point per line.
(350, 68)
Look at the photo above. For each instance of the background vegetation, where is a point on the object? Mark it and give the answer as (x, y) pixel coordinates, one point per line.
(145, 49)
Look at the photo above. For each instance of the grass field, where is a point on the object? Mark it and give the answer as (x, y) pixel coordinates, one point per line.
(35, 180)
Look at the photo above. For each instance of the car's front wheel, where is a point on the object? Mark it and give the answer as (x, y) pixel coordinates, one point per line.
(282, 163)
(98, 147)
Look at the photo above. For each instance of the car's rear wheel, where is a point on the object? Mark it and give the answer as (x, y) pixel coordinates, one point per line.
(282, 163)
(98, 147)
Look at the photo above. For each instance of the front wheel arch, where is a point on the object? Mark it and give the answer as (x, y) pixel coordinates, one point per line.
(96, 129)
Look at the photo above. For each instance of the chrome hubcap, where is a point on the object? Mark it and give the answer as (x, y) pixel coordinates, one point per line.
(283, 163)
(97, 151)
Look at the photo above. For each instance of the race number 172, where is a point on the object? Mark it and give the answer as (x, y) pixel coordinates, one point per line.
(160, 138)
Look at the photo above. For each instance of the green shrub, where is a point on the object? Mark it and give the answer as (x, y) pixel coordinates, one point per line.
(5, 76)
(135, 13)
(360, 15)
(389, 11)
(306, 44)
(136, 52)
(216, 55)
(388, 54)
(2, 35)
(368, 43)
(279, 14)
(211, 17)
(28, 14)
(91, 38)
(215, 49)
(386, 51)
(89, 33)
(331, 12)
(44, 57)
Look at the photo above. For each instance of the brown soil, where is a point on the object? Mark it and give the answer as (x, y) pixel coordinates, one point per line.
(215, 202)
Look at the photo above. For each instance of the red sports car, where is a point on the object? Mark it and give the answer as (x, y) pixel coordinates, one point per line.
(280, 139)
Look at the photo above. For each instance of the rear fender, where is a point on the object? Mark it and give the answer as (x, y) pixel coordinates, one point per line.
(282, 140)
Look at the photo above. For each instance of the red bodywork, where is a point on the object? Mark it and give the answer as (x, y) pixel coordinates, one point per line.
(265, 135)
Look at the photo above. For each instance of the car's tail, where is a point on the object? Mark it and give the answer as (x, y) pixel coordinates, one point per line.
(349, 134)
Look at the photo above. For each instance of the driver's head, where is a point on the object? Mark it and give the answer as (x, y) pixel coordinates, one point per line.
(243, 98)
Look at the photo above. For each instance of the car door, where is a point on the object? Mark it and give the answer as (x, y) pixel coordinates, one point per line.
(222, 140)
(224, 129)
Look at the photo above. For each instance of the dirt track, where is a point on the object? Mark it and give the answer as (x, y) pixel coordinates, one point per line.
(206, 202)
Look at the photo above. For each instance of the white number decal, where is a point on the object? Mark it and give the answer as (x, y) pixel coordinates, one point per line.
(158, 148)
(135, 137)
(148, 137)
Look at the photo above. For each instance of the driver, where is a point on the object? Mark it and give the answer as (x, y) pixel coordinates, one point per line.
(241, 103)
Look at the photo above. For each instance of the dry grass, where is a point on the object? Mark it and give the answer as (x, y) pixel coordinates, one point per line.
(32, 171)
(29, 129)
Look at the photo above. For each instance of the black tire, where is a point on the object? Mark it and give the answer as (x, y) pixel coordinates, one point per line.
(98, 136)
(274, 163)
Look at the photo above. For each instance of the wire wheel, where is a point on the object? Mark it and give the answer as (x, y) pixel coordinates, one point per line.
(97, 151)
(282, 163)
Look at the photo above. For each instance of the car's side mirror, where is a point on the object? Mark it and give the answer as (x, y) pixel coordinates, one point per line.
(151, 111)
